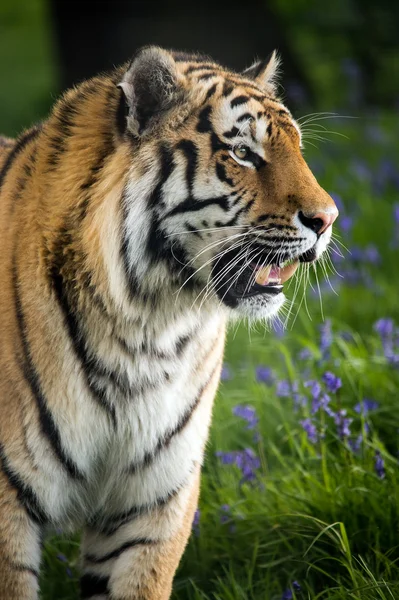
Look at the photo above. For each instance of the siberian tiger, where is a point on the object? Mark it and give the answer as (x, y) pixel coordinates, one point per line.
(155, 202)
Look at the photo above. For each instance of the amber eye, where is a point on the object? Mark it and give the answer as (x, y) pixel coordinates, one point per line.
(241, 152)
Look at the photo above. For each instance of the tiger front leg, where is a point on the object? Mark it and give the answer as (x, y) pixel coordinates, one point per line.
(19, 543)
(137, 560)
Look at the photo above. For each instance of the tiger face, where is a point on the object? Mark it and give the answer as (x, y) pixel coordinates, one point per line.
(234, 208)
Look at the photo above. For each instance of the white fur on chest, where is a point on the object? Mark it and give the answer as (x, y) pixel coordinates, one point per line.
(161, 427)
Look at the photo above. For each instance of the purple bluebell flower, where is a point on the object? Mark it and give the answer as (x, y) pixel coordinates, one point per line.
(62, 558)
(361, 169)
(355, 444)
(379, 465)
(324, 403)
(310, 429)
(384, 327)
(314, 386)
(333, 383)
(264, 375)
(365, 406)
(225, 516)
(376, 134)
(246, 460)
(196, 522)
(395, 242)
(386, 330)
(343, 424)
(226, 458)
(372, 255)
(248, 463)
(278, 328)
(248, 413)
(346, 223)
(305, 354)
(226, 373)
(299, 400)
(287, 594)
(283, 388)
(326, 338)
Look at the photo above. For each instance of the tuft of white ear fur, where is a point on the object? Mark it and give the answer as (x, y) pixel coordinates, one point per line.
(151, 85)
(265, 73)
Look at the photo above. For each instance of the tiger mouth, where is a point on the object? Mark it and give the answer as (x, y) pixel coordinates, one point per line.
(235, 279)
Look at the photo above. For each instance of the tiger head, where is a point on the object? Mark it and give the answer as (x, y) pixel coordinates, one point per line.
(233, 207)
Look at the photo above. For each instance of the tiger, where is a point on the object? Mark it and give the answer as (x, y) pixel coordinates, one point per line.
(155, 204)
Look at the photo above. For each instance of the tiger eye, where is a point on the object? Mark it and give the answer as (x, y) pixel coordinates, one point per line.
(241, 152)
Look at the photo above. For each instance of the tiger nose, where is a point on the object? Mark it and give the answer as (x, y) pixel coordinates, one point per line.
(320, 221)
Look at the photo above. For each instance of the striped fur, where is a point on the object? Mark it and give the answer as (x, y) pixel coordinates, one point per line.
(112, 214)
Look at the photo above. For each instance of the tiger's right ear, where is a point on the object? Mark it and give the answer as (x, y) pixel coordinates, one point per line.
(265, 73)
(151, 86)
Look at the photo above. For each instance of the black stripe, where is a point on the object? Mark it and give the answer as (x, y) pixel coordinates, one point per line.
(228, 87)
(133, 285)
(239, 100)
(114, 522)
(192, 230)
(204, 124)
(47, 423)
(191, 154)
(17, 149)
(217, 144)
(234, 131)
(221, 173)
(275, 238)
(167, 167)
(204, 66)
(115, 553)
(266, 216)
(255, 159)
(63, 120)
(269, 129)
(245, 117)
(281, 227)
(93, 585)
(160, 247)
(164, 442)
(24, 569)
(91, 367)
(211, 91)
(191, 205)
(234, 219)
(207, 76)
(25, 494)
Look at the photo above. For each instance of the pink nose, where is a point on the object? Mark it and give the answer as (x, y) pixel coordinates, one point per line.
(320, 221)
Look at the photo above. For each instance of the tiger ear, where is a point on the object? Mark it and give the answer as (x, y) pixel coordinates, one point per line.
(151, 86)
(265, 73)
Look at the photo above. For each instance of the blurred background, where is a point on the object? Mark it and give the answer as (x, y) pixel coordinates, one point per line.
(337, 55)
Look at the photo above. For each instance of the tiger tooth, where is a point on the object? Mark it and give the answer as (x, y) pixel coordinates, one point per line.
(262, 275)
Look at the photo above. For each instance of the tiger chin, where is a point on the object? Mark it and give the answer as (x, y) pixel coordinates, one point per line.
(153, 204)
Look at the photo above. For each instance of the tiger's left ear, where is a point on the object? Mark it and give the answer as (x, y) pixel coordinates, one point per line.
(151, 86)
(265, 73)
